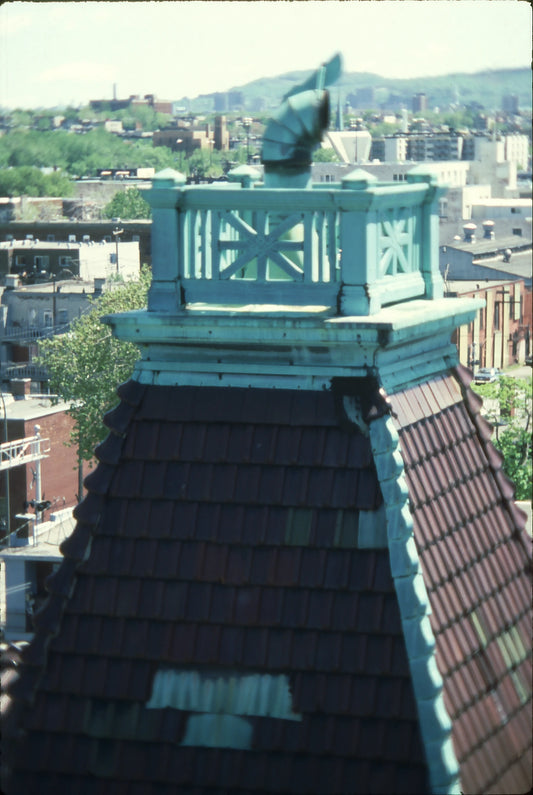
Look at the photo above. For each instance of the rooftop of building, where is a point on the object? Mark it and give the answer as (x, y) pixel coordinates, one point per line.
(474, 285)
(500, 202)
(45, 544)
(55, 287)
(59, 245)
(452, 233)
(31, 407)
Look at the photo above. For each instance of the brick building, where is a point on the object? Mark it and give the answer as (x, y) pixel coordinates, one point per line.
(59, 478)
(38, 468)
(500, 334)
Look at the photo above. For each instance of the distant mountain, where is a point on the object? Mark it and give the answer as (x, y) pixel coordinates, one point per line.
(485, 88)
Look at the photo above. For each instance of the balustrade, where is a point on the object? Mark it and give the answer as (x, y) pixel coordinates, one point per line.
(353, 247)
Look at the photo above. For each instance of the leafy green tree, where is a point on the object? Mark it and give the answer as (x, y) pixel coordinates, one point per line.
(203, 163)
(509, 400)
(383, 128)
(325, 155)
(128, 204)
(86, 365)
(21, 118)
(30, 181)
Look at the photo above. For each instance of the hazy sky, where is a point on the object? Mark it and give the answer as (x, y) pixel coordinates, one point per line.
(70, 52)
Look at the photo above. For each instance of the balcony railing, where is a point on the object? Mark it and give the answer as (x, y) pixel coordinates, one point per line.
(31, 333)
(23, 370)
(352, 247)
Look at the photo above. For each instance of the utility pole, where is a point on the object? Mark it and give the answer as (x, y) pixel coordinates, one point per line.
(116, 234)
(8, 483)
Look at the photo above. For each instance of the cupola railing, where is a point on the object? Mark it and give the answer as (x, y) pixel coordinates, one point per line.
(352, 247)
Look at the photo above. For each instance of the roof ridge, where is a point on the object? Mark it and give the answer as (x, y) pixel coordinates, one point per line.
(414, 607)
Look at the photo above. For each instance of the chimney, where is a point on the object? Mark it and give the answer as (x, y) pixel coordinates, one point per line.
(488, 230)
(469, 231)
(20, 388)
(12, 281)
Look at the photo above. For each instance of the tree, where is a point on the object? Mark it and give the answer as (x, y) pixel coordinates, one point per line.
(128, 204)
(325, 155)
(383, 128)
(509, 402)
(86, 365)
(203, 163)
(30, 181)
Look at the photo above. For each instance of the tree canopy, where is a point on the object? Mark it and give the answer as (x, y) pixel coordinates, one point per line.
(128, 204)
(325, 154)
(509, 400)
(84, 155)
(30, 181)
(86, 365)
(80, 155)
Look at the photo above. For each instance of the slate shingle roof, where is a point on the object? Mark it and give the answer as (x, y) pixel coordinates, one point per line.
(477, 568)
(220, 534)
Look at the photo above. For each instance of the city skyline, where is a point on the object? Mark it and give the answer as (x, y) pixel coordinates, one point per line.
(60, 53)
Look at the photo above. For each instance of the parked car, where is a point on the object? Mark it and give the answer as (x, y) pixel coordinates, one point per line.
(487, 375)
(529, 360)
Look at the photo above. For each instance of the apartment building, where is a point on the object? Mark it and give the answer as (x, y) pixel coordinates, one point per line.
(34, 260)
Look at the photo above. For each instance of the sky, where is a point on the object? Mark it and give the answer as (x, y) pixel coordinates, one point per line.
(60, 53)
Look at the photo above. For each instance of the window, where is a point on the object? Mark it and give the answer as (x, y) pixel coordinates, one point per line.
(62, 316)
(48, 319)
(497, 316)
(41, 262)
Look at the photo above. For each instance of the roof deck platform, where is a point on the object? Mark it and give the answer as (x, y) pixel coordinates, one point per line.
(289, 285)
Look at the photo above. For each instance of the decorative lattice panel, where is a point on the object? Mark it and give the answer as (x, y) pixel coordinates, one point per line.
(397, 246)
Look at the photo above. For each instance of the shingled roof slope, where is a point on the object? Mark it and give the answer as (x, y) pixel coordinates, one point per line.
(476, 558)
(222, 535)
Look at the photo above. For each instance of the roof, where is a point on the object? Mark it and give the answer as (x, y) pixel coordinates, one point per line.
(221, 536)
(500, 202)
(33, 407)
(518, 266)
(57, 288)
(231, 615)
(477, 269)
(481, 247)
(49, 536)
(61, 245)
(503, 234)
(476, 559)
(463, 286)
